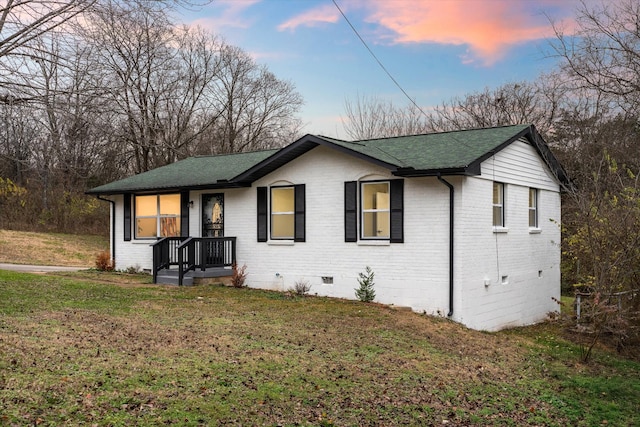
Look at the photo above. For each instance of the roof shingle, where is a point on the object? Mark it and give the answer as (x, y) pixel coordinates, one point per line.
(458, 152)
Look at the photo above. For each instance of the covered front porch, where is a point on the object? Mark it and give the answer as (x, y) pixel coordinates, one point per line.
(180, 260)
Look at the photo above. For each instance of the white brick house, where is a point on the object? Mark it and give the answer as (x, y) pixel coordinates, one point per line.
(460, 224)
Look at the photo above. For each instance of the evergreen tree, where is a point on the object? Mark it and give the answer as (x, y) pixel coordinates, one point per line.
(365, 292)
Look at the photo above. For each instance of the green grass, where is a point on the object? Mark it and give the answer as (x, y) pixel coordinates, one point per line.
(108, 350)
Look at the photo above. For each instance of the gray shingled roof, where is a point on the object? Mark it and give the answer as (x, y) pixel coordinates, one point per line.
(446, 150)
(193, 172)
(446, 153)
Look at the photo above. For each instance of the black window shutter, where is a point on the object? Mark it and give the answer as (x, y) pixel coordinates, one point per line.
(351, 211)
(397, 207)
(184, 214)
(127, 217)
(262, 214)
(299, 207)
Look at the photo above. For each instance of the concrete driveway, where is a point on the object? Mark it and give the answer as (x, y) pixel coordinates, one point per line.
(38, 268)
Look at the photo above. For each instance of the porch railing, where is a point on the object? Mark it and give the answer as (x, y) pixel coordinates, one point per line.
(191, 253)
(165, 254)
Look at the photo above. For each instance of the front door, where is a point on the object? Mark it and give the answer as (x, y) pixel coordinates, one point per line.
(213, 215)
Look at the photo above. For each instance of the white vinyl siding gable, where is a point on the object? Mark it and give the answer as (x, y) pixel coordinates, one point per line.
(519, 164)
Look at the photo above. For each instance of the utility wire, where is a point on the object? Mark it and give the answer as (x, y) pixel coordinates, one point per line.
(377, 60)
(453, 134)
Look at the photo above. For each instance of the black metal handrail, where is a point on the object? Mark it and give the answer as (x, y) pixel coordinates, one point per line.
(188, 247)
(165, 254)
(189, 253)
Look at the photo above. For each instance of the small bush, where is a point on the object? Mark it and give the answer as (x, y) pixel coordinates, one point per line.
(365, 292)
(239, 275)
(301, 287)
(133, 269)
(104, 261)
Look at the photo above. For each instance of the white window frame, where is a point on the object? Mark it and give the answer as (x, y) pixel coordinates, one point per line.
(363, 211)
(288, 213)
(158, 217)
(499, 204)
(533, 209)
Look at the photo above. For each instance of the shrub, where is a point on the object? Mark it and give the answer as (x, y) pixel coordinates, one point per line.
(239, 275)
(301, 287)
(104, 261)
(133, 269)
(365, 292)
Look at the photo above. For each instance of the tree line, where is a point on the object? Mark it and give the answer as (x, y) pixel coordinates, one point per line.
(96, 90)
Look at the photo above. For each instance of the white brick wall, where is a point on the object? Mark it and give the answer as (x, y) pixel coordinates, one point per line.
(134, 253)
(408, 274)
(530, 260)
(413, 273)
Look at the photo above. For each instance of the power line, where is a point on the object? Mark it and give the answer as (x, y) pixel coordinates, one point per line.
(377, 60)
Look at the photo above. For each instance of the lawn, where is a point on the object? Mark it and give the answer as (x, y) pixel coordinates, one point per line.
(112, 349)
(24, 247)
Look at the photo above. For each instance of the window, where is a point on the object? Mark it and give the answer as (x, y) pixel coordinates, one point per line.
(281, 213)
(498, 204)
(157, 216)
(533, 208)
(373, 210)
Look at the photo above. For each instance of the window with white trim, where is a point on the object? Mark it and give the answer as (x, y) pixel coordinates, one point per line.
(498, 205)
(533, 208)
(282, 213)
(157, 216)
(375, 210)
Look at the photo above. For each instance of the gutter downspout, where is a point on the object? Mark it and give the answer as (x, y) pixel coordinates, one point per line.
(113, 226)
(451, 234)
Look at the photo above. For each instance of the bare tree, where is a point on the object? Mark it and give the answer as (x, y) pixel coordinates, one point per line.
(604, 53)
(257, 109)
(512, 103)
(23, 21)
(372, 117)
(180, 91)
(17, 133)
(93, 90)
(160, 82)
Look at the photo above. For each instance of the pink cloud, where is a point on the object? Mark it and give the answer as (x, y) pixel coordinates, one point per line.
(488, 27)
(311, 18)
(229, 14)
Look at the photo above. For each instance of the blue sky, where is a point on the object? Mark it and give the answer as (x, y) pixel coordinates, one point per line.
(435, 49)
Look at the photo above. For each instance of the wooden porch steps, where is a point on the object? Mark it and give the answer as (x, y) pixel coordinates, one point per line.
(205, 259)
(169, 276)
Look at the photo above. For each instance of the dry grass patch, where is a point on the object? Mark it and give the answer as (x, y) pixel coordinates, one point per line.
(23, 247)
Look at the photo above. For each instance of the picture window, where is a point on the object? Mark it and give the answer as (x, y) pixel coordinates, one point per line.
(157, 216)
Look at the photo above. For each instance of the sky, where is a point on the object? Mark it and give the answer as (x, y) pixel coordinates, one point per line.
(434, 49)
